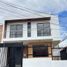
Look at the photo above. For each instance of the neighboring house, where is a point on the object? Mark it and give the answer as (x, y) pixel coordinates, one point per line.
(1, 30)
(63, 51)
(37, 35)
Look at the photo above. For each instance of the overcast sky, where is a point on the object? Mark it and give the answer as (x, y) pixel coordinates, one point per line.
(28, 7)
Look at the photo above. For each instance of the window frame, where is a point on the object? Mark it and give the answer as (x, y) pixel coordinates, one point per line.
(29, 29)
(47, 28)
(16, 31)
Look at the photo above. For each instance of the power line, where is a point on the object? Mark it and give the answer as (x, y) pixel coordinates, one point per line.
(17, 16)
(14, 13)
(35, 10)
(25, 9)
(14, 6)
(7, 11)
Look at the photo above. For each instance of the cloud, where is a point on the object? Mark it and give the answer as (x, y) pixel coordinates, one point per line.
(46, 5)
(53, 6)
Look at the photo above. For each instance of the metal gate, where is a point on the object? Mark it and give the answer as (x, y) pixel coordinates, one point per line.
(14, 54)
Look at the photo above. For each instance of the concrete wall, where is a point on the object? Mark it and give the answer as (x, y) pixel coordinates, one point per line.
(55, 28)
(43, 62)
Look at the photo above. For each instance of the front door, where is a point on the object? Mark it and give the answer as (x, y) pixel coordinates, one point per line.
(14, 57)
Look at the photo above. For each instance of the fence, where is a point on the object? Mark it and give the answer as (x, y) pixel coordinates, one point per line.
(56, 53)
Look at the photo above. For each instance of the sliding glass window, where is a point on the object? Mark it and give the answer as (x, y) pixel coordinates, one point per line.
(43, 29)
(16, 30)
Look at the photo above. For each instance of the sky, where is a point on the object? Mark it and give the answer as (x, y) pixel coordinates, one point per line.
(29, 7)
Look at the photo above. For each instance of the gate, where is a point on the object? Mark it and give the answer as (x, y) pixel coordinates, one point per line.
(14, 54)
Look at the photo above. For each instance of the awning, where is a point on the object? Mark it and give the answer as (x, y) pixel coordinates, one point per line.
(11, 44)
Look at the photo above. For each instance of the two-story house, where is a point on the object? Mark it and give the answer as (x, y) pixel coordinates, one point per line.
(37, 35)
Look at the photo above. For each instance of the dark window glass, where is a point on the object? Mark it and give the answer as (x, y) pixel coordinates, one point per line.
(43, 29)
(40, 51)
(16, 30)
(29, 29)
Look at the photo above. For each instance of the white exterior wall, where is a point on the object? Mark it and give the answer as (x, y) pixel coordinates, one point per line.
(54, 26)
(25, 37)
(43, 62)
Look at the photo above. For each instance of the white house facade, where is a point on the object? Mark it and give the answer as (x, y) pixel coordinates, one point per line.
(38, 36)
(51, 22)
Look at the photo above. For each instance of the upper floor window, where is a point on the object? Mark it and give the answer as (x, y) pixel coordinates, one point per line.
(43, 29)
(16, 30)
(29, 29)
